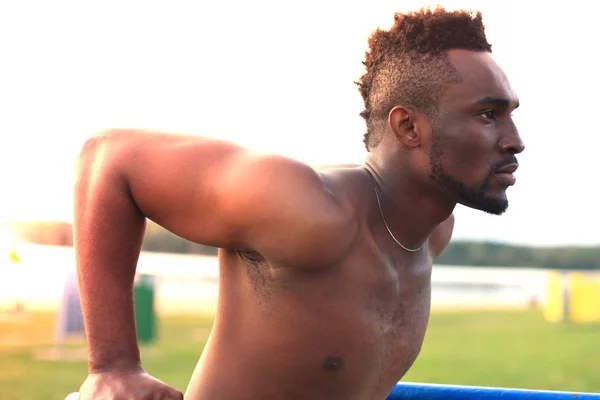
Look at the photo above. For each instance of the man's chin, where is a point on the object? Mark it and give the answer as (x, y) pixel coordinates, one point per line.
(489, 205)
(483, 199)
(496, 210)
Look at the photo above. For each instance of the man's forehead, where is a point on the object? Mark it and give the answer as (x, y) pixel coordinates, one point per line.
(481, 78)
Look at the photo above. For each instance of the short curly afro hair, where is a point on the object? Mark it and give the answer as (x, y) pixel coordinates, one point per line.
(408, 65)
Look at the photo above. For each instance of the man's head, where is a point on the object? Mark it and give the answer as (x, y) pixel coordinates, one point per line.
(441, 106)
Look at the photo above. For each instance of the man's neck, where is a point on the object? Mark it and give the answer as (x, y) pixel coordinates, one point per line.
(410, 210)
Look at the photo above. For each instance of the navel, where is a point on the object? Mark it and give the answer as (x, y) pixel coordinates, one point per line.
(333, 364)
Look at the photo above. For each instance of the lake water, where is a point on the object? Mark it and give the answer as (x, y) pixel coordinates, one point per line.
(189, 283)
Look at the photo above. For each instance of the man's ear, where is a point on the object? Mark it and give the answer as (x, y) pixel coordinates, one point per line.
(403, 123)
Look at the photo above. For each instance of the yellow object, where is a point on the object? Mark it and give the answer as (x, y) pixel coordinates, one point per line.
(584, 304)
(572, 296)
(14, 257)
(554, 307)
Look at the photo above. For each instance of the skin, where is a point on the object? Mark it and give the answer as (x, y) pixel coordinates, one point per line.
(316, 299)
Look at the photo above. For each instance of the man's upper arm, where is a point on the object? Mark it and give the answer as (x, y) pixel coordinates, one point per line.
(440, 237)
(219, 194)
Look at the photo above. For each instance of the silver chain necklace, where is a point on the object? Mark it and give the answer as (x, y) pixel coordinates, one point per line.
(383, 218)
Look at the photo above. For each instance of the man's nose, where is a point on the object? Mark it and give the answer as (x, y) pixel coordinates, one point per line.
(511, 142)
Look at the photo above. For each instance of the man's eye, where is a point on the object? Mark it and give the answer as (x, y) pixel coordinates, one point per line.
(489, 115)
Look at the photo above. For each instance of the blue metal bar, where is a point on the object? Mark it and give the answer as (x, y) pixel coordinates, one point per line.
(416, 391)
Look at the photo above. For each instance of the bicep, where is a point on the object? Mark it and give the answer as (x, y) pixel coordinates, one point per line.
(174, 181)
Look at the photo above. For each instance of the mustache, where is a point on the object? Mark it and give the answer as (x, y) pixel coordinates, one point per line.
(509, 160)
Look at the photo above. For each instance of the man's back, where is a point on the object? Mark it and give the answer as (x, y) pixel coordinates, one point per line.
(347, 330)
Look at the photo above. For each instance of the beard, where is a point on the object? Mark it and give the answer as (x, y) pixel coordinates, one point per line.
(474, 197)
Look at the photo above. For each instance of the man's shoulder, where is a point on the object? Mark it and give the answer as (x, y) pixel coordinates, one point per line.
(328, 238)
(351, 188)
(348, 182)
(302, 216)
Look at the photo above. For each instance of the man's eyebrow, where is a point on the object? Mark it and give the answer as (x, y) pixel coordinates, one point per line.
(496, 101)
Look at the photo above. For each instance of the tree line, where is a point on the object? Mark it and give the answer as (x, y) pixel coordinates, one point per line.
(499, 254)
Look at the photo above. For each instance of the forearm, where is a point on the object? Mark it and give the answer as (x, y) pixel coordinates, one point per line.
(108, 232)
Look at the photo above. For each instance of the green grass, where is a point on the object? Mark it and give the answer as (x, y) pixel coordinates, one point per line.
(510, 349)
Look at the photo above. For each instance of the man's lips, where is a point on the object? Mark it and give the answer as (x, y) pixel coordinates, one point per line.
(505, 173)
(508, 168)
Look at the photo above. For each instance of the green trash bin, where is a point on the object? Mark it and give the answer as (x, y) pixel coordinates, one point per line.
(145, 313)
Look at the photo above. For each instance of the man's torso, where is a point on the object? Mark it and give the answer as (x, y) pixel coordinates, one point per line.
(348, 331)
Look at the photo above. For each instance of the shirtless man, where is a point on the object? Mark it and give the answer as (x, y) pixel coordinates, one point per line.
(324, 274)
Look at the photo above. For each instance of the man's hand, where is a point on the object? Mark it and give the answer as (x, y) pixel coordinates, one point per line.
(126, 386)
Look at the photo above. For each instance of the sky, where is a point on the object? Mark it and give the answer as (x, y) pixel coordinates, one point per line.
(278, 77)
